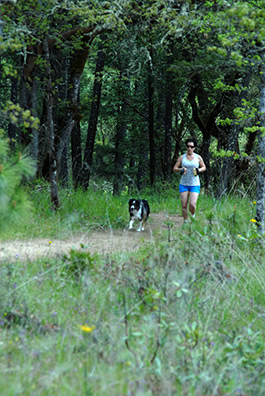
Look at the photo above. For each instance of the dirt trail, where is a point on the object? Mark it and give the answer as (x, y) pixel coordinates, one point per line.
(102, 242)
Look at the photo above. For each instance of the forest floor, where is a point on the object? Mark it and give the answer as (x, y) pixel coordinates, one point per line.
(93, 241)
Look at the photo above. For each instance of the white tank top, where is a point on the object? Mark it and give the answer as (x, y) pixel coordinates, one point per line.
(189, 179)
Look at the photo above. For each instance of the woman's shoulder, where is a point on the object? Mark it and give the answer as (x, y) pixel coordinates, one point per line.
(180, 158)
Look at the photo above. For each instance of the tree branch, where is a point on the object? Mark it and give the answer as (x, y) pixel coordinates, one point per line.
(135, 109)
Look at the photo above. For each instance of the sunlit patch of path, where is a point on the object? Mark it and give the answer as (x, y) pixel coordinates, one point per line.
(100, 241)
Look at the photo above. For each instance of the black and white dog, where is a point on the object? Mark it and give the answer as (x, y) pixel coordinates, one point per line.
(139, 210)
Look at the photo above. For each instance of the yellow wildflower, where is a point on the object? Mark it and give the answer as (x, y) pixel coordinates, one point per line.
(50, 242)
(254, 202)
(253, 220)
(87, 329)
(239, 236)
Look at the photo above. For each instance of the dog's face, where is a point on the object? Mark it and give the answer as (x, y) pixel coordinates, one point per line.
(134, 205)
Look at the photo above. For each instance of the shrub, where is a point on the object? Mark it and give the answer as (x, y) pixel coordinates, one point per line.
(14, 202)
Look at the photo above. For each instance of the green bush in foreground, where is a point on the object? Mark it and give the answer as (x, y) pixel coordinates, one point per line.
(14, 203)
(182, 316)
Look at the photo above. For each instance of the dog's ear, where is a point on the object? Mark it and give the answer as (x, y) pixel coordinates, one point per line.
(131, 201)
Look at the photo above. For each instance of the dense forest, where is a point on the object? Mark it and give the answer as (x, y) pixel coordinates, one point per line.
(111, 89)
(97, 99)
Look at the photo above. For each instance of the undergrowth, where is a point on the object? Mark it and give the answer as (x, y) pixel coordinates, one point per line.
(182, 316)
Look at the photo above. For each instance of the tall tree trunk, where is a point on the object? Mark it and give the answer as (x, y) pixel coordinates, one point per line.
(205, 153)
(139, 152)
(142, 171)
(261, 153)
(50, 130)
(43, 155)
(159, 122)
(61, 68)
(34, 144)
(250, 142)
(180, 124)
(119, 154)
(151, 127)
(93, 120)
(76, 151)
(1, 25)
(12, 128)
(63, 172)
(168, 127)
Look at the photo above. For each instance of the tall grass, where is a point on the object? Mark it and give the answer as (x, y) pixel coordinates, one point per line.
(80, 211)
(182, 316)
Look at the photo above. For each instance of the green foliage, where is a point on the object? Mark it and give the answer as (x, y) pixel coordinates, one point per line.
(167, 42)
(79, 211)
(15, 205)
(77, 262)
(18, 116)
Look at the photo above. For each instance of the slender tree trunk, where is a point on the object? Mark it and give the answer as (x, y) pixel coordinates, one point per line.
(76, 153)
(76, 150)
(205, 153)
(119, 160)
(250, 142)
(43, 155)
(50, 130)
(63, 172)
(180, 124)
(119, 154)
(61, 66)
(168, 127)
(159, 122)
(139, 153)
(261, 154)
(142, 172)
(151, 128)
(22, 103)
(34, 144)
(1, 23)
(12, 128)
(92, 127)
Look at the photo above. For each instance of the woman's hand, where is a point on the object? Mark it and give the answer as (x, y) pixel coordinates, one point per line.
(195, 171)
(183, 171)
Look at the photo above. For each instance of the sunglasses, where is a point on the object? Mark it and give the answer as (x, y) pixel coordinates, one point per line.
(188, 146)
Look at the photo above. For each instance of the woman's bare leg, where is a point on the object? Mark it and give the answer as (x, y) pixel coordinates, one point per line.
(193, 201)
(184, 196)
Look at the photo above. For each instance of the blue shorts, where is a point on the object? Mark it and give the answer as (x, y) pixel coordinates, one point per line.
(195, 189)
